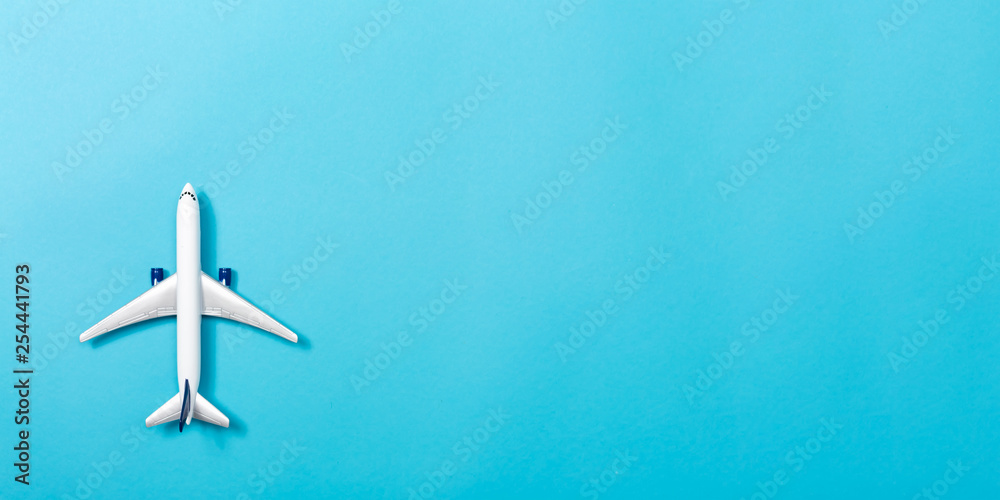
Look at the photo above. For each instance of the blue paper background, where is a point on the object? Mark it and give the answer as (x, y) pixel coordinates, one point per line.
(557, 80)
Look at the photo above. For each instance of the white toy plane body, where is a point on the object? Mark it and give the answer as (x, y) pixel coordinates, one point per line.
(189, 294)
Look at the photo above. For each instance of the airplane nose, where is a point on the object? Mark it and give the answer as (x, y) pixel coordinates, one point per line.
(188, 190)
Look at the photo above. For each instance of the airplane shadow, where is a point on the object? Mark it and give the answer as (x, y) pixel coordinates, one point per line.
(210, 332)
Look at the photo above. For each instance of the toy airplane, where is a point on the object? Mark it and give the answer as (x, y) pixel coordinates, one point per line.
(189, 295)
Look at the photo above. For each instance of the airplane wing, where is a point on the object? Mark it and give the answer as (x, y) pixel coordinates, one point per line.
(161, 300)
(222, 302)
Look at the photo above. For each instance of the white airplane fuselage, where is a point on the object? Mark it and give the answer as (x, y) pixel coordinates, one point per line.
(189, 299)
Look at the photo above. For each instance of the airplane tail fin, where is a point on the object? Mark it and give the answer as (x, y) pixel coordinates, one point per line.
(185, 416)
(198, 407)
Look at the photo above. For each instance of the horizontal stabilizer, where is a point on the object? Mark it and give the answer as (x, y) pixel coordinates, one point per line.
(204, 411)
(170, 411)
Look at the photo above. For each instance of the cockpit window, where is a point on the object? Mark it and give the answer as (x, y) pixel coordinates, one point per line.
(188, 193)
